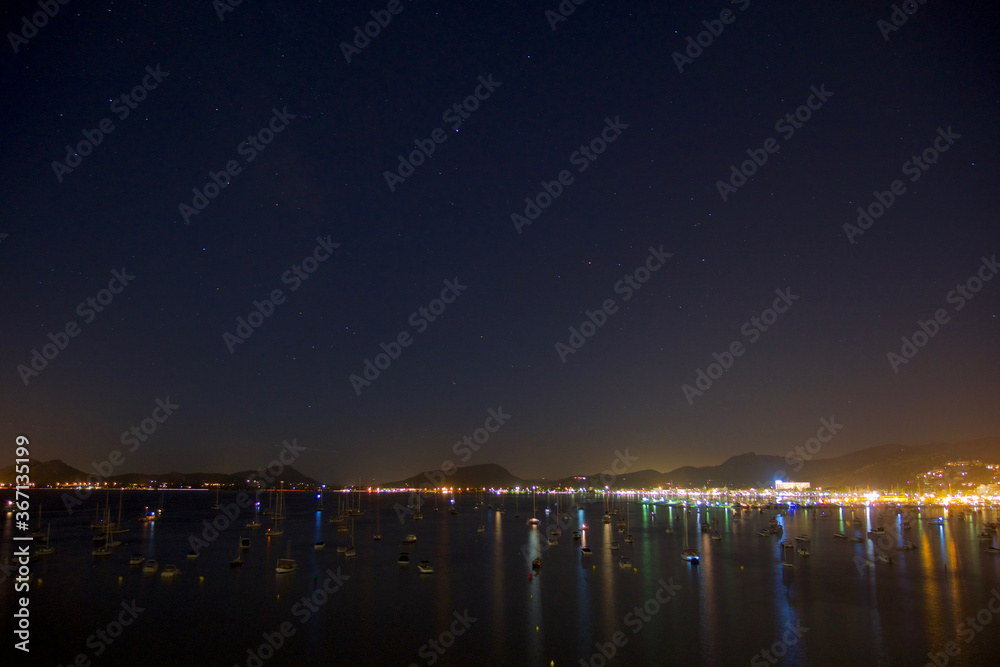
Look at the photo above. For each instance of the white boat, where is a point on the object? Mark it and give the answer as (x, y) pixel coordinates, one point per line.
(285, 565)
(136, 559)
(341, 548)
(786, 545)
(404, 558)
(150, 567)
(669, 531)
(992, 550)
(908, 546)
(319, 545)
(481, 528)
(169, 571)
(764, 532)
(537, 563)
(840, 535)
(192, 554)
(625, 562)
(410, 539)
(244, 543)
(803, 552)
(615, 546)
(885, 559)
(716, 536)
(553, 542)
(802, 538)
(586, 551)
(424, 567)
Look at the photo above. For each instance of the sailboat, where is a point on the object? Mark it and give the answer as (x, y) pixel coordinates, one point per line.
(688, 554)
(339, 518)
(215, 506)
(107, 549)
(350, 552)
(238, 561)
(607, 510)
(279, 514)
(556, 531)
(256, 513)
(46, 550)
(533, 521)
(286, 565)
(270, 502)
(378, 521)
(99, 522)
(628, 520)
(39, 532)
(116, 528)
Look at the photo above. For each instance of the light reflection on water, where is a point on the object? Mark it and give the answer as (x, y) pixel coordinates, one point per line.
(737, 602)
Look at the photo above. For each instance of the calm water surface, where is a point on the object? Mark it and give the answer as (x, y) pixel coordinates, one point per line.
(737, 603)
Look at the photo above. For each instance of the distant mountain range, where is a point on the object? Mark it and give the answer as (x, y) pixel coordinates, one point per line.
(50, 473)
(883, 467)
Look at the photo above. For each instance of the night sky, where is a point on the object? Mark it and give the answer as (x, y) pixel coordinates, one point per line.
(308, 137)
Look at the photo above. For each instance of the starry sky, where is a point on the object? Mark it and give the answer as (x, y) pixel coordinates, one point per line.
(177, 163)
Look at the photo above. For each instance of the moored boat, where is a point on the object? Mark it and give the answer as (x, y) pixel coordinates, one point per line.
(285, 565)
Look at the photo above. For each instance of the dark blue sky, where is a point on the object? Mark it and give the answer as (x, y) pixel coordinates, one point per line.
(324, 132)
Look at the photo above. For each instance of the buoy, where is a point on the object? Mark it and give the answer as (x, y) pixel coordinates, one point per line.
(536, 628)
(741, 567)
(39, 581)
(120, 579)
